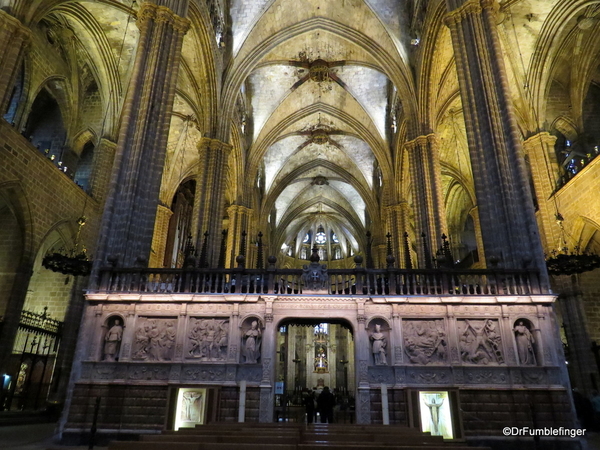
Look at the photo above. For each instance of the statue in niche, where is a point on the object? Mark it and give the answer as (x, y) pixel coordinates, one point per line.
(321, 363)
(251, 348)
(208, 339)
(154, 340)
(425, 341)
(480, 343)
(112, 341)
(379, 346)
(434, 412)
(525, 342)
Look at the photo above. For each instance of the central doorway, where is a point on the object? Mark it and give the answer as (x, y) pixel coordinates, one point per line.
(313, 354)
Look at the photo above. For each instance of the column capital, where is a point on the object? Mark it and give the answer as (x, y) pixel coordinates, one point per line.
(543, 138)
(161, 14)
(422, 141)
(214, 144)
(468, 8)
(14, 25)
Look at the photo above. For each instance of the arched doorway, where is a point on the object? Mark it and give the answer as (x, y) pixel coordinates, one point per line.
(313, 354)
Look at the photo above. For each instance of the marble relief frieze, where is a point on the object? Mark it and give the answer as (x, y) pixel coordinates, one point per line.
(425, 341)
(154, 339)
(480, 342)
(207, 339)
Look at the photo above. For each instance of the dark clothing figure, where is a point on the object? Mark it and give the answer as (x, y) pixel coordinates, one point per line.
(309, 406)
(326, 402)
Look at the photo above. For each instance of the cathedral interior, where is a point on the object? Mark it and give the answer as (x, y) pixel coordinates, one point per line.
(210, 201)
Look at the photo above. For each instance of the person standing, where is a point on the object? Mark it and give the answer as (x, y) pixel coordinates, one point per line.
(326, 402)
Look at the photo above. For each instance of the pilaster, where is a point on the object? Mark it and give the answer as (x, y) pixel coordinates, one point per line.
(396, 226)
(128, 222)
(503, 196)
(14, 39)
(208, 200)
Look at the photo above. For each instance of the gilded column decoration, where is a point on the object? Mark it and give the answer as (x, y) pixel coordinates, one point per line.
(504, 199)
(128, 221)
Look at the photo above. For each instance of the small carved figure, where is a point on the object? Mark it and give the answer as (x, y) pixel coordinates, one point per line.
(525, 343)
(379, 346)
(112, 341)
(252, 345)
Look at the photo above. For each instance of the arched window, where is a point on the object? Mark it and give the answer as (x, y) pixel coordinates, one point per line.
(45, 127)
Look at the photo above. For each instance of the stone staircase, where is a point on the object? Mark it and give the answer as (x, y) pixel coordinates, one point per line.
(277, 436)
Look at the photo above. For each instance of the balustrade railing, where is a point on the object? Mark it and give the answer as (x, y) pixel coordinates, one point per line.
(340, 281)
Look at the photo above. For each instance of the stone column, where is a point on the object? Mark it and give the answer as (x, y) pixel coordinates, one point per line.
(397, 226)
(159, 239)
(128, 221)
(544, 169)
(239, 221)
(427, 195)
(363, 393)
(267, 356)
(396, 336)
(104, 156)
(478, 238)
(503, 196)
(14, 39)
(208, 199)
(235, 338)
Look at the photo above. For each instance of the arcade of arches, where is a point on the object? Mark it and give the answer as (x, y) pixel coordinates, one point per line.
(350, 149)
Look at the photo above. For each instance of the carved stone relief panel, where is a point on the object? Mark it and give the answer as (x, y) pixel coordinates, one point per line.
(154, 339)
(206, 373)
(381, 375)
(425, 341)
(207, 339)
(479, 341)
(487, 376)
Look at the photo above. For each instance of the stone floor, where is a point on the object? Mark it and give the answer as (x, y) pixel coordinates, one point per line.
(42, 436)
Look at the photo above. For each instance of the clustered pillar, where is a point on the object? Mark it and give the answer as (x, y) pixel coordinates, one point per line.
(128, 222)
(428, 199)
(509, 230)
(208, 200)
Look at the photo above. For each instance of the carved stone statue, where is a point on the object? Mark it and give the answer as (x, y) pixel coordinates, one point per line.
(480, 343)
(252, 345)
(425, 341)
(379, 346)
(434, 412)
(155, 340)
(525, 342)
(112, 341)
(208, 340)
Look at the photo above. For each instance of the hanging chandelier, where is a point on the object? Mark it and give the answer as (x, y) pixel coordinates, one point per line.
(570, 262)
(70, 262)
